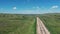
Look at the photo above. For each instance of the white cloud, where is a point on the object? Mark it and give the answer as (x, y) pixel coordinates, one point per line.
(28, 0)
(54, 7)
(37, 7)
(14, 8)
(30, 12)
(34, 7)
(1, 8)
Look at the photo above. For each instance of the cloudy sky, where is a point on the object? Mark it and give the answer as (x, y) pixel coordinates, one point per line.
(29, 6)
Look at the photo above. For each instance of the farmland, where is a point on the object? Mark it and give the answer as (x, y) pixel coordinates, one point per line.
(26, 24)
(17, 24)
(52, 22)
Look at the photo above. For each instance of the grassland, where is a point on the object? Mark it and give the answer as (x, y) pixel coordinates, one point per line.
(26, 24)
(52, 22)
(17, 24)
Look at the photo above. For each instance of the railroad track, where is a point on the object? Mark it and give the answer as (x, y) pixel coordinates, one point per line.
(41, 29)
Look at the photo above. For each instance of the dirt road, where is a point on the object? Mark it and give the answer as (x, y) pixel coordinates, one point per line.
(41, 29)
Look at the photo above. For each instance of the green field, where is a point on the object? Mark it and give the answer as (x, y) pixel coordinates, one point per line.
(26, 24)
(52, 22)
(17, 24)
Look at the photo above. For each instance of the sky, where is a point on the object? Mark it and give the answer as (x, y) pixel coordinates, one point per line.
(29, 6)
